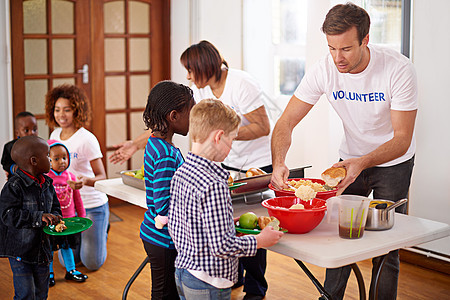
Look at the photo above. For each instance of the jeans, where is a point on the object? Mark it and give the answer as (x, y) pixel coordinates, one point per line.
(30, 280)
(388, 183)
(93, 241)
(255, 268)
(162, 265)
(191, 288)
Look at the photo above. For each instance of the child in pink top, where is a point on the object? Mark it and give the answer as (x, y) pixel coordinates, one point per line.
(71, 206)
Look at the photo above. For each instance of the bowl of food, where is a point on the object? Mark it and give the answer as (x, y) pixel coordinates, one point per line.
(296, 215)
(316, 184)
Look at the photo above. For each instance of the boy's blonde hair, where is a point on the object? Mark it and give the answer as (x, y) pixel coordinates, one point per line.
(209, 115)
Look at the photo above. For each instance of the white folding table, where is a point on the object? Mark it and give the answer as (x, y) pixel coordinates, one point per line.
(322, 246)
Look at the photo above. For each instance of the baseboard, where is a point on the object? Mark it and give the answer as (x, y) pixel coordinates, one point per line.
(425, 261)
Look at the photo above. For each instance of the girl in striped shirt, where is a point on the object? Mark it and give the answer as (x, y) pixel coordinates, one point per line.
(166, 113)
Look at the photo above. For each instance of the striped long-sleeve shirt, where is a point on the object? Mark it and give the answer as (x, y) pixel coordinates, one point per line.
(161, 160)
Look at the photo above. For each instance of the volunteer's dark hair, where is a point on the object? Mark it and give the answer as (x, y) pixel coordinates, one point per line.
(342, 17)
(78, 101)
(203, 60)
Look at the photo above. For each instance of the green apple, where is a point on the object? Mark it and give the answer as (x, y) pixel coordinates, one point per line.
(248, 220)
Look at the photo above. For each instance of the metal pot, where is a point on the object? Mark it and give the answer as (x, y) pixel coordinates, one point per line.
(382, 218)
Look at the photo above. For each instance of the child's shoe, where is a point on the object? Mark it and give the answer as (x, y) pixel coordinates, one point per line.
(51, 281)
(76, 276)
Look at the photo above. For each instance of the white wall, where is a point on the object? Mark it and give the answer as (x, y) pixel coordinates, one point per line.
(430, 187)
(219, 22)
(5, 81)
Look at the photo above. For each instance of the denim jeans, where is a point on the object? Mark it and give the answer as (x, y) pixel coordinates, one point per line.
(162, 265)
(191, 288)
(30, 280)
(388, 183)
(93, 241)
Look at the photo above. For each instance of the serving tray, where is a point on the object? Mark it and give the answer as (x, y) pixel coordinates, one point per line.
(132, 181)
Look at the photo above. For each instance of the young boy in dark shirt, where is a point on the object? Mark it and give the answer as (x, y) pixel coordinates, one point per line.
(25, 124)
(28, 202)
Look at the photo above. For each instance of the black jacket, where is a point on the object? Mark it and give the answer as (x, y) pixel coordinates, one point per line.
(22, 204)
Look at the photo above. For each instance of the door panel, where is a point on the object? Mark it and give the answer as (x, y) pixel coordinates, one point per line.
(50, 41)
(134, 38)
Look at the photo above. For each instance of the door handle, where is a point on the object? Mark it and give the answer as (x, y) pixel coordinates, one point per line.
(85, 72)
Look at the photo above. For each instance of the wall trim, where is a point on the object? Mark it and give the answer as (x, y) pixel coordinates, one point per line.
(426, 259)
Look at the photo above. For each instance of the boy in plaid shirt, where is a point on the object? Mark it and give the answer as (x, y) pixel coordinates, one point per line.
(201, 215)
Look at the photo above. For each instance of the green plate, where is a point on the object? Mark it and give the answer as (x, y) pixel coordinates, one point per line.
(253, 231)
(74, 225)
(236, 185)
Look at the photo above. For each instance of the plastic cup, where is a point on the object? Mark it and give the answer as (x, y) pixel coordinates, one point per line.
(353, 211)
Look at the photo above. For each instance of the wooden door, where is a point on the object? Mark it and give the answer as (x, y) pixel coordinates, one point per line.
(115, 50)
(131, 47)
(50, 42)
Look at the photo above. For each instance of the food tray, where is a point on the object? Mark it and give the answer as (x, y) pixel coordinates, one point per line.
(235, 185)
(254, 184)
(259, 183)
(140, 184)
(257, 230)
(132, 181)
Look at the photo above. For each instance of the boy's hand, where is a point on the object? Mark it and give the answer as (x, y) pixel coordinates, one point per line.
(75, 185)
(268, 237)
(50, 219)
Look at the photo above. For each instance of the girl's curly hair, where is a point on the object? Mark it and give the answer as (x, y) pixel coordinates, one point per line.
(78, 101)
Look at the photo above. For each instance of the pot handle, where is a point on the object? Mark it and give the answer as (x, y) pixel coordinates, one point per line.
(397, 204)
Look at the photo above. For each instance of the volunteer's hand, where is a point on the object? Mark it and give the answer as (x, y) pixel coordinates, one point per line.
(279, 177)
(75, 185)
(123, 152)
(354, 167)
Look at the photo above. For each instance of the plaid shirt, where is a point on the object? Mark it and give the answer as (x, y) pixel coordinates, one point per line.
(201, 220)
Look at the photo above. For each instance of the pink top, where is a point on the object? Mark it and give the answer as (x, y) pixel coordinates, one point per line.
(69, 199)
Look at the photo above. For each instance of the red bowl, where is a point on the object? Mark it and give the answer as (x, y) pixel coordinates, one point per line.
(296, 220)
(320, 195)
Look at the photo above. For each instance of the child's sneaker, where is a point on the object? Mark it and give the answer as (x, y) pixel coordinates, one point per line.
(51, 281)
(76, 276)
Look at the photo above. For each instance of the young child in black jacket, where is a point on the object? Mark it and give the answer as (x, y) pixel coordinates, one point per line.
(28, 202)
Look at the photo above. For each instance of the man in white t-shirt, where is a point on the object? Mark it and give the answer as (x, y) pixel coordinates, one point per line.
(374, 92)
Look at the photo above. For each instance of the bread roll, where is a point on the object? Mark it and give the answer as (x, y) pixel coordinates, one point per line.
(60, 227)
(263, 221)
(333, 176)
(297, 206)
(268, 221)
(254, 172)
